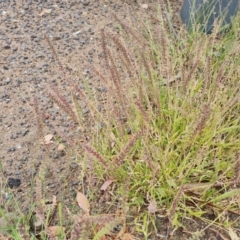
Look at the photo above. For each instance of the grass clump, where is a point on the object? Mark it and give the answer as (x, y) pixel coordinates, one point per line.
(167, 134)
(172, 126)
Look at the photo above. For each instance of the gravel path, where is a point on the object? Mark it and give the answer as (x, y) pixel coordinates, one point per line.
(28, 69)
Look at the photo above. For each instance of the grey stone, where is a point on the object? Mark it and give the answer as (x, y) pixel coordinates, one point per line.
(13, 182)
(85, 2)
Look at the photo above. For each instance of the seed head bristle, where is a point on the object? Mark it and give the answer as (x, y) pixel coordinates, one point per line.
(127, 66)
(58, 61)
(203, 118)
(39, 119)
(62, 102)
(97, 155)
(142, 110)
(124, 152)
(207, 78)
(128, 30)
(233, 101)
(237, 168)
(148, 159)
(121, 47)
(173, 208)
(188, 78)
(104, 47)
(117, 116)
(98, 73)
(145, 64)
(117, 83)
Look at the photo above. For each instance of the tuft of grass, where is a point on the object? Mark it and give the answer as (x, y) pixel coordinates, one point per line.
(179, 138)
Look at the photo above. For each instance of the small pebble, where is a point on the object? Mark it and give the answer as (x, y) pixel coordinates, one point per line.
(8, 80)
(85, 2)
(13, 182)
(12, 149)
(24, 133)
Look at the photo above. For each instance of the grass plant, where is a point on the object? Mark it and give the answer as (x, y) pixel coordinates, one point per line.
(169, 135)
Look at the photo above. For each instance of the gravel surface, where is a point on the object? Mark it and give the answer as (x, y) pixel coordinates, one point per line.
(28, 70)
